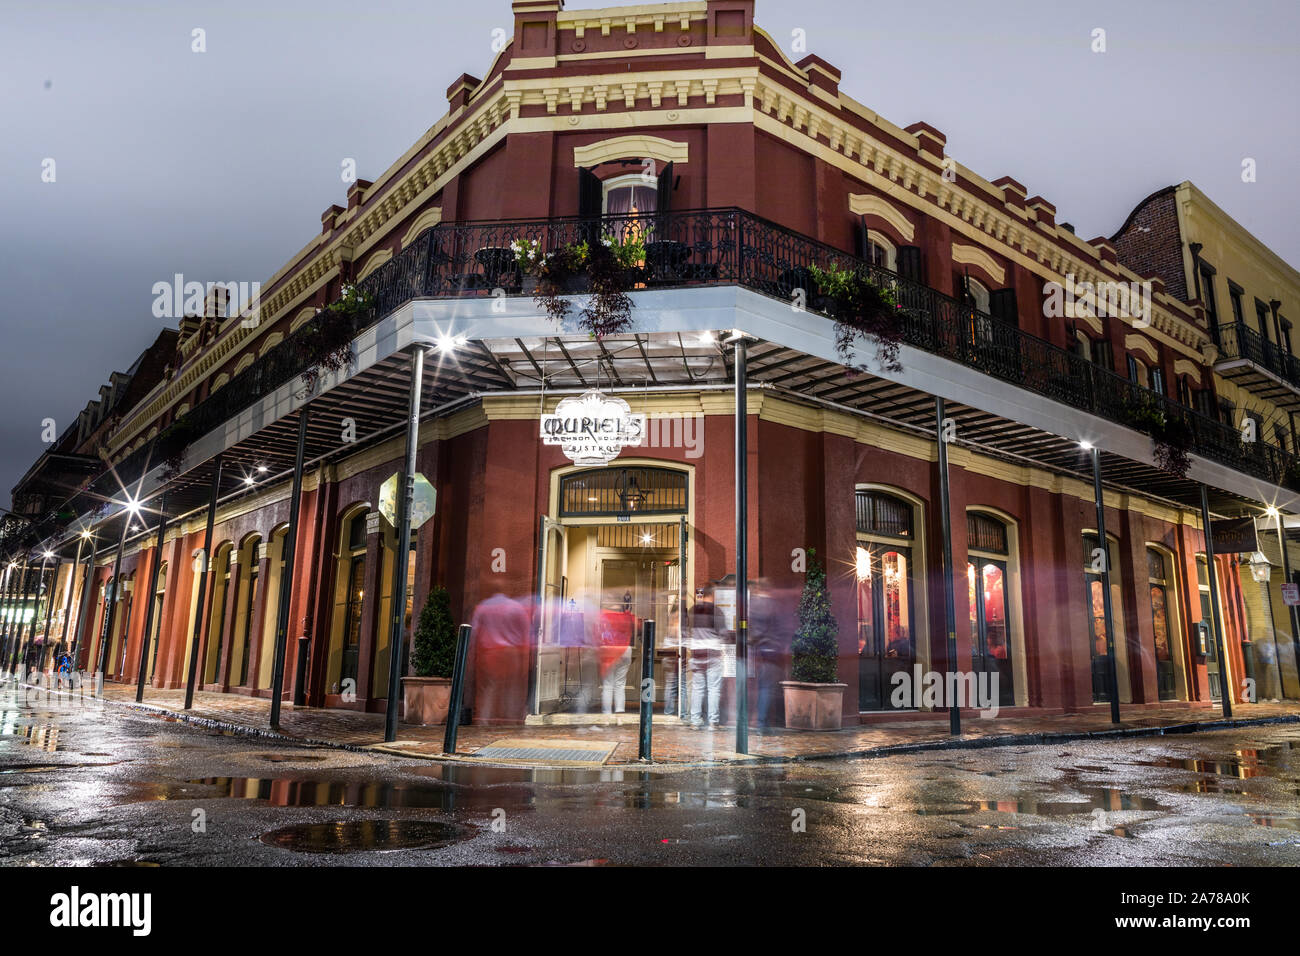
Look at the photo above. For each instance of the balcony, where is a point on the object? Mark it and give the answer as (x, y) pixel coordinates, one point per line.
(1261, 367)
(707, 248)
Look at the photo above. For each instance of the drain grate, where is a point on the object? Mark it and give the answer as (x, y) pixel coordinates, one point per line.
(558, 751)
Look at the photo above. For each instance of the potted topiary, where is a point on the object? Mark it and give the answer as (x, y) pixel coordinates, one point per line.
(427, 695)
(813, 699)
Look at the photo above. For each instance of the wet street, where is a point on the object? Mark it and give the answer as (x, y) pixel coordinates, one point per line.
(82, 783)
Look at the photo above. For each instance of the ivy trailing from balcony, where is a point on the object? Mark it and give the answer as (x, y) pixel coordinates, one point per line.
(860, 308)
(325, 344)
(607, 270)
(1173, 437)
(171, 444)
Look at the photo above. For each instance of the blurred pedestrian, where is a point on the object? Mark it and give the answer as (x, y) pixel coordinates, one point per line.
(706, 665)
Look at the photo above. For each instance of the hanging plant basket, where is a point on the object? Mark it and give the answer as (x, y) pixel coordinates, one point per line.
(860, 308)
(325, 344)
(607, 271)
(1172, 437)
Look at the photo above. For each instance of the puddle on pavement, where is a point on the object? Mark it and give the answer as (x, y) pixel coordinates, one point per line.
(42, 736)
(1103, 798)
(361, 836)
(288, 758)
(290, 792)
(1267, 820)
(1245, 764)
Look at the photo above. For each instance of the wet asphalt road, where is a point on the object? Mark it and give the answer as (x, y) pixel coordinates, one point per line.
(83, 783)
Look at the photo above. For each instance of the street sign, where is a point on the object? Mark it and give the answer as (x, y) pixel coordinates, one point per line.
(424, 502)
(1291, 595)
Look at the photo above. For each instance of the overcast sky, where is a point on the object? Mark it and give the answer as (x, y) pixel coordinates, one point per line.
(217, 165)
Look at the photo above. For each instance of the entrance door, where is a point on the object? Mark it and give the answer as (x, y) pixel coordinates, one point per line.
(886, 630)
(557, 633)
(1212, 672)
(990, 632)
(1097, 633)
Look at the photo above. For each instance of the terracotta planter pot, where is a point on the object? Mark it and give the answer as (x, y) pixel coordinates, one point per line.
(813, 706)
(427, 699)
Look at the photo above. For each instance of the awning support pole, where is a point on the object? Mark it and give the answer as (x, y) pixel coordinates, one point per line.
(286, 575)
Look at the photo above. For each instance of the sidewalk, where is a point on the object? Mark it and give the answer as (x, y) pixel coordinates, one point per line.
(680, 746)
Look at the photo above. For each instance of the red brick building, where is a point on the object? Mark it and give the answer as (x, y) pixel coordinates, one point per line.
(687, 135)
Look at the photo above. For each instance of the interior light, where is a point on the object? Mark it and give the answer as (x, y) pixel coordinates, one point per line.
(1085, 445)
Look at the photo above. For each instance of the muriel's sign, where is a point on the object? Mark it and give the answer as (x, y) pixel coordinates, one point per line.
(592, 428)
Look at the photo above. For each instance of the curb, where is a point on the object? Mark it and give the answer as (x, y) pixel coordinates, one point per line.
(870, 753)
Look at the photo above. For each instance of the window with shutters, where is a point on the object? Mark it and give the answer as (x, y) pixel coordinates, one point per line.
(628, 196)
(909, 263)
(1002, 306)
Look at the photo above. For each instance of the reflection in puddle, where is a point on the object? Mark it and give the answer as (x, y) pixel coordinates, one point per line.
(1099, 798)
(1265, 820)
(289, 792)
(359, 836)
(43, 736)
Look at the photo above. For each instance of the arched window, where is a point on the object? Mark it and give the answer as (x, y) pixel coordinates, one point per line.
(221, 589)
(159, 595)
(245, 631)
(349, 595)
(884, 565)
(989, 593)
(881, 252)
(629, 195)
(1160, 583)
(1096, 562)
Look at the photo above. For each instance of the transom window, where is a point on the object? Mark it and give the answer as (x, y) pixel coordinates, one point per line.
(620, 491)
(985, 533)
(882, 514)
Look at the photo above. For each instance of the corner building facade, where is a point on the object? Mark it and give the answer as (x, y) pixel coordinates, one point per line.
(685, 126)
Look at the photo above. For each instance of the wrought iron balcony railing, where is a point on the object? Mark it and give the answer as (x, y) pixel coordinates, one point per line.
(729, 247)
(1237, 340)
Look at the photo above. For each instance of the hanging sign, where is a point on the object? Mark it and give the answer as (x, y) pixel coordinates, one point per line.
(1291, 595)
(1234, 536)
(592, 428)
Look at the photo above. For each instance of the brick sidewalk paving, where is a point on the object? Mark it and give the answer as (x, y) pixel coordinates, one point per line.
(674, 744)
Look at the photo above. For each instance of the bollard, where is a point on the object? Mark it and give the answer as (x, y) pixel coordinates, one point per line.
(457, 690)
(647, 686)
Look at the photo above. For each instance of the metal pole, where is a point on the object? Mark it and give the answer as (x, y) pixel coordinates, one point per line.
(10, 611)
(457, 690)
(286, 576)
(742, 552)
(395, 635)
(113, 600)
(1295, 612)
(201, 611)
(1225, 692)
(72, 586)
(1112, 672)
(6, 608)
(647, 686)
(949, 586)
(87, 602)
(49, 612)
(25, 647)
(150, 599)
(17, 634)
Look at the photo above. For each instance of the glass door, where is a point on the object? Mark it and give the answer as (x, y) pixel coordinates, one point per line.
(1097, 634)
(990, 633)
(886, 634)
